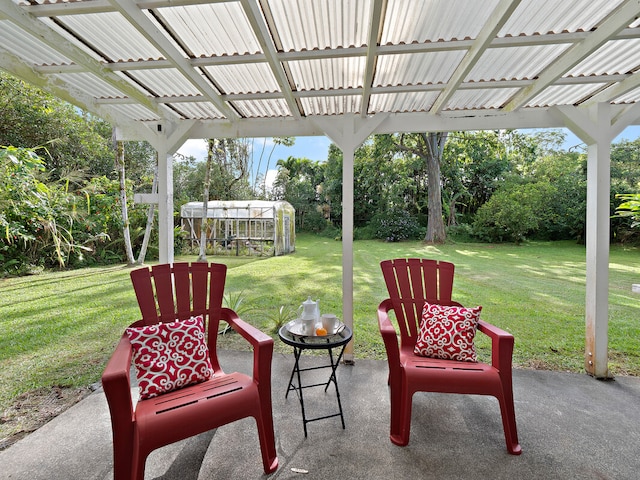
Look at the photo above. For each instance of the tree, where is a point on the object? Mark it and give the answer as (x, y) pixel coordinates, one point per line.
(513, 212)
(230, 170)
(35, 218)
(120, 167)
(287, 142)
(150, 216)
(204, 223)
(74, 141)
(298, 181)
(630, 207)
(473, 165)
(429, 148)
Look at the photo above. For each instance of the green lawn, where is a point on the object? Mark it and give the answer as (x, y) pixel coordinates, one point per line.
(59, 328)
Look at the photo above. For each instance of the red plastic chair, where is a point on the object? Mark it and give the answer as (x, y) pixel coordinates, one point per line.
(166, 293)
(410, 283)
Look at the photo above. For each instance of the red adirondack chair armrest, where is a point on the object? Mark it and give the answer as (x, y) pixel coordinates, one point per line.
(117, 389)
(501, 346)
(389, 334)
(261, 342)
(116, 381)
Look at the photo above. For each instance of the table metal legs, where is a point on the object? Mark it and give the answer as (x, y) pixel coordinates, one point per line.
(299, 387)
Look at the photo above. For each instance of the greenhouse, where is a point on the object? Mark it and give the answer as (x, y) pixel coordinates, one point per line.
(250, 227)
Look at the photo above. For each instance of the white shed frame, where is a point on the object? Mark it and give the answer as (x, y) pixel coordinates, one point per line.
(248, 227)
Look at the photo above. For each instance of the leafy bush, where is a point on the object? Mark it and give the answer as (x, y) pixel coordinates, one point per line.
(395, 225)
(514, 212)
(36, 219)
(630, 207)
(314, 221)
(462, 232)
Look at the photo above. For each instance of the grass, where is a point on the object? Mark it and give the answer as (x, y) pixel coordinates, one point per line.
(59, 328)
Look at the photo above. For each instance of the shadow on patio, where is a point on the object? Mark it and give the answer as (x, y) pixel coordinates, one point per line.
(570, 426)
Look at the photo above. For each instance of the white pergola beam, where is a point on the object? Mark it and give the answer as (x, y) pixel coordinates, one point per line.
(261, 31)
(611, 93)
(375, 28)
(497, 19)
(149, 31)
(60, 44)
(616, 22)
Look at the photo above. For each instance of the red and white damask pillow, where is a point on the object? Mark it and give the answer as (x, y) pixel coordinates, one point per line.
(168, 356)
(447, 332)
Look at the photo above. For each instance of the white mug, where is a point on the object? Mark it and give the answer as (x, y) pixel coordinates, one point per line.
(330, 322)
(308, 326)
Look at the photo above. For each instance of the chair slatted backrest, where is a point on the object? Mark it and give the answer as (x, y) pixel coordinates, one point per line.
(411, 282)
(169, 292)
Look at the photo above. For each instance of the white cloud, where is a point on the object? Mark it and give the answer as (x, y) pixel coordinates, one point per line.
(270, 178)
(195, 147)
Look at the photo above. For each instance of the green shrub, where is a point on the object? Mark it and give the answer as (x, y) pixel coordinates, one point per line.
(395, 225)
(514, 212)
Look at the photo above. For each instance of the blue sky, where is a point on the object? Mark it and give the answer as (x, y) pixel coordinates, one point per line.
(316, 148)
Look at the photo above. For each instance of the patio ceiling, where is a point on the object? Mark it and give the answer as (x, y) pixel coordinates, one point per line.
(274, 67)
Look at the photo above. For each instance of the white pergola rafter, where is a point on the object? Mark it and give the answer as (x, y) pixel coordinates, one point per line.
(497, 19)
(262, 33)
(615, 23)
(59, 43)
(130, 11)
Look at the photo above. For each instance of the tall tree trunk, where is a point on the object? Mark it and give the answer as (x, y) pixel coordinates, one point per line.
(204, 224)
(123, 203)
(150, 216)
(436, 232)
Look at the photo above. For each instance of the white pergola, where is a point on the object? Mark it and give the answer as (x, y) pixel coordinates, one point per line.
(165, 71)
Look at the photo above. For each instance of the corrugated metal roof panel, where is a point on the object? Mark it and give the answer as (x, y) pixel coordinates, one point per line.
(311, 25)
(328, 74)
(617, 56)
(244, 78)
(630, 97)
(135, 112)
(416, 69)
(199, 110)
(534, 17)
(28, 47)
(405, 102)
(263, 57)
(475, 99)
(91, 84)
(564, 95)
(263, 108)
(111, 36)
(212, 29)
(165, 82)
(420, 21)
(514, 63)
(334, 105)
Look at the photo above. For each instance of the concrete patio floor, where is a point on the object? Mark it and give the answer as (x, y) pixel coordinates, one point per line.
(571, 426)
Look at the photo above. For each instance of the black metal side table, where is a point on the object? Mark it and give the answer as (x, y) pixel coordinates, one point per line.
(329, 343)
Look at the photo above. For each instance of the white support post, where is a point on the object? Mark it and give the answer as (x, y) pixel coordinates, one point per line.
(165, 206)
(597, 294)
(347, 244)
(168, 138)
(348, 134)
(594, 127)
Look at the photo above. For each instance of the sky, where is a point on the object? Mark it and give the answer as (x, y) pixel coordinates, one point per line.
(317, 148)
(313, 148)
